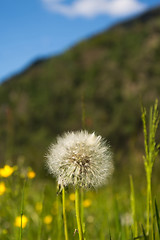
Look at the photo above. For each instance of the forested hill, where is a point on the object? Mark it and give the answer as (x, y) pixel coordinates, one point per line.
(113, 72)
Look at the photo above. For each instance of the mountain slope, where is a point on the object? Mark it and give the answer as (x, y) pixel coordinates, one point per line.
(114, 72)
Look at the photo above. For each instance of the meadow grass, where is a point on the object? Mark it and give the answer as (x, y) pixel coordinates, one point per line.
(122, 210)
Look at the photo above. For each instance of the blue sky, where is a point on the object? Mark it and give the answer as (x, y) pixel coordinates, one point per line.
(35, 29)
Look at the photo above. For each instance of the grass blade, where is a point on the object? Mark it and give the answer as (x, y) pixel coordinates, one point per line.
(110, 238)
(132, 201)
(138, 237)
(132, 236)
(144, 234)
(157, 217)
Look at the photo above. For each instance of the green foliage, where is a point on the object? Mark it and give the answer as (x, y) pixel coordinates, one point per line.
(112, 70)
(133, 208)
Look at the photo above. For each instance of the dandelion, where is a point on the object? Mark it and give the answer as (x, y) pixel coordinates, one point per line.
(6, 171)
(31, 174)
(17, 222)
(87, 203)
(2, 188)
(47, 219)
(80, 159)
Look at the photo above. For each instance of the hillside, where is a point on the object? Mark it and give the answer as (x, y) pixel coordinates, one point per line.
(115, 71)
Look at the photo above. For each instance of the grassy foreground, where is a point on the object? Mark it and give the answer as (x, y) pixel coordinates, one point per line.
(106, 211)
(126, 208)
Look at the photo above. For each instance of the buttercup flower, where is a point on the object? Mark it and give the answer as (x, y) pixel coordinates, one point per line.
(31, 174)
(47, 219)
(80, 159)
(72, 197)
(87, 203)
(17, 222)
(6, 171)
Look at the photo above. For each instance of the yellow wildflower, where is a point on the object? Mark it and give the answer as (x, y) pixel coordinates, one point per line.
(6, 171)
(87, 203)
(72, 197)
(31, 174)
(17, 222)
(47, 219)
(2, 188)
(38, 207)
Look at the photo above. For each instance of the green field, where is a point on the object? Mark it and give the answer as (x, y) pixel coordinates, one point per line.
(116, 211)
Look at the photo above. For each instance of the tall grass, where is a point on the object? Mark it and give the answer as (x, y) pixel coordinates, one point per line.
(151, 153)
(133, 208)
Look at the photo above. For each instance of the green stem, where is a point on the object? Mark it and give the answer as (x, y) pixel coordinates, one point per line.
(82, 208)
(77, 207)
(148, 204)
(133, 208)
(22, 207)
(82, 193)
(59, 217)
(82, 211)
(149, 201)
(64, 214)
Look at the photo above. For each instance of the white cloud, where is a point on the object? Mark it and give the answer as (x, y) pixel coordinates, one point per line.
(91, 8)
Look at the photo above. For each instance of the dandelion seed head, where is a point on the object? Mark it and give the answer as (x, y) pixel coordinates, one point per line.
(80, 159)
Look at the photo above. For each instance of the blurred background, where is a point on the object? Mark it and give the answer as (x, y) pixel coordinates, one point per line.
(67, 65)
(60, 59)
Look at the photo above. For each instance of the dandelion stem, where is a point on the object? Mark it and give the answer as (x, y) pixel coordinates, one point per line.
(59, 217)
(82, 211)
(77, 207)
(64, 214)
(82, 192)
(81, 204)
